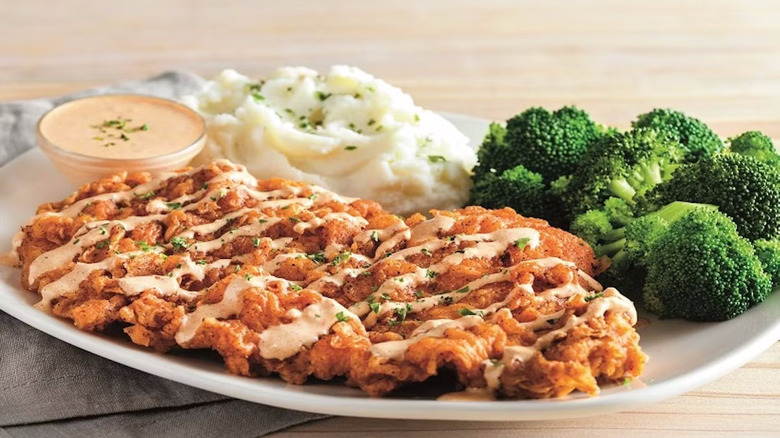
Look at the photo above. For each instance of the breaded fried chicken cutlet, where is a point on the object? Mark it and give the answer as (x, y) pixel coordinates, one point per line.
(286, 278)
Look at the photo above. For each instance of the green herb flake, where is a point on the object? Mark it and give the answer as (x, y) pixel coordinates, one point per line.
(375, 236)
(146, 195)
(201, 262)
(431, 274)
(436, 159)
(341, 317)
(317, 257)
(350, 148)
(590, 298)
(294, 220)
(521, 243)
(341, 258)
(179, 243)
(374, 306)
(173, 205)
(463, 290)
(143, 245)
(255, 242)
(322, 96)
(101, 244)
(296, 288)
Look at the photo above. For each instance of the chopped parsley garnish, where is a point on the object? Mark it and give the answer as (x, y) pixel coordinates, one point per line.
(313, 196)
(371, 122)
(401, 312)
(436, 159)
(103, 230)
(468, 312)
(552, 321)
(418, 294)
(416, 117)
(379, 128)
(341, 258)
(143, 245)
(294, 220)
(521, 243)
(248, 277)
(341, 317)
(350, 148)
(425, 251)
(179, 243)
(431, 274)
(201, 262)
(374, 306)
(124, 137)
(101, 244)
(463, 290)
(204, 186)
(295, 287)
(590, 298)
(375, 236)
(146, 195)
(626, 381)
(317, 257)
(255, 242)
(322, 96)
(173, 205)
(261, 221)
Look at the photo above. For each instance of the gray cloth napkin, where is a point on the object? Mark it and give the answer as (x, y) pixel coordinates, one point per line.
(49, 388)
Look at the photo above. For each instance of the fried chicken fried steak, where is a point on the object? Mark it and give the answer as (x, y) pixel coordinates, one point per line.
(287, 278)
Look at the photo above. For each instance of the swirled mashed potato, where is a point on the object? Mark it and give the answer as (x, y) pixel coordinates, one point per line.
(346, 131)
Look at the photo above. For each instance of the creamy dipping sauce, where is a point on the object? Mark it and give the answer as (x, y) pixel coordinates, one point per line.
(121, 126)
(96, 136)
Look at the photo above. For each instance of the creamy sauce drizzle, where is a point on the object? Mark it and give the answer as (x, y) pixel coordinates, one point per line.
(307, 325)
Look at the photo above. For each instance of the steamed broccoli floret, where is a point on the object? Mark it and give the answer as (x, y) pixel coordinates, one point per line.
(518, 188)
(549, 143)
(743, 188)
(696, 138)
(757, 145)
(623, 166)
(591, 226)
(490, 151)
(768, 251)
(627, 244)
(701, 269)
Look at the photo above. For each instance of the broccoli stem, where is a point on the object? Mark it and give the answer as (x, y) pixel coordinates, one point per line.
(621, 188)
(611, 248)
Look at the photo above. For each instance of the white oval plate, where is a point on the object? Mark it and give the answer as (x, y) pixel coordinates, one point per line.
(683, 355)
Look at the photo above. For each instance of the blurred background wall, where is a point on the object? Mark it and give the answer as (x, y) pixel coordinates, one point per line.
(719, 60)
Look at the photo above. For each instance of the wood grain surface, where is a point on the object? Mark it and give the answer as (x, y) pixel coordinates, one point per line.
(718, 60)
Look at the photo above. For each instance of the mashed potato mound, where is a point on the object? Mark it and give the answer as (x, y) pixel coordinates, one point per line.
(346, 131)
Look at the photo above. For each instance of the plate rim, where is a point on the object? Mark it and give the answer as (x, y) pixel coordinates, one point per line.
(278, 395)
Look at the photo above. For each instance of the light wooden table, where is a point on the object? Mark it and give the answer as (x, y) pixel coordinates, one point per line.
(719, 61)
